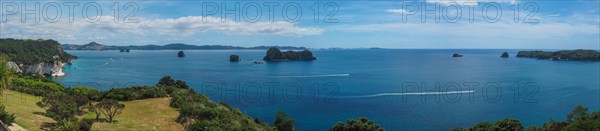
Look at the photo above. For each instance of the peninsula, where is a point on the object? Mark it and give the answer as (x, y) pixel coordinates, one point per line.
(567, 55)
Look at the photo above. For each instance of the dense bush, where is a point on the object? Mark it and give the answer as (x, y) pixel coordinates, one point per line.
(35, 87)
(283, 123)
(33, 51)
(6, 117)
(577, 120)
(360, 124)
(133, 93)
(90, 93)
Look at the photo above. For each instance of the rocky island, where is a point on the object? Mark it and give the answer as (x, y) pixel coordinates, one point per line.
(573, 55)
(504, 55)
(180, 54)
(457, 55)
(234, 58)
(39, 57)
(274, 55)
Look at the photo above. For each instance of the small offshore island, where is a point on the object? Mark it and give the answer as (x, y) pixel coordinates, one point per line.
(275, 55)
(563, 55)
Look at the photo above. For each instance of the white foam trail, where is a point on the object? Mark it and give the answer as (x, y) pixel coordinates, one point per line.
(326, 75)
(412, 93)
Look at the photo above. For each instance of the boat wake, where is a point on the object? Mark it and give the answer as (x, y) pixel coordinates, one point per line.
(326, 75)
(411, 93)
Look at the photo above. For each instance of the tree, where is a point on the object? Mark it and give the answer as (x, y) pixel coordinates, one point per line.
(5, 74)
(282, 123)
(166, 81)
(62, 111)
(579, 113)
(96, 110)
(110, 108)
(509, 124)
(360, 124)
(181, 84)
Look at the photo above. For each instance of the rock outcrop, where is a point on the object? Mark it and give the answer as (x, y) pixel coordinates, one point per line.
(180, 54)
(457, 55)
(504, 55)
(274, 54)
(234, 58)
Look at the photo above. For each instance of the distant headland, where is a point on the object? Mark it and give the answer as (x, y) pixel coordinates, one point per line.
(175, 46)
(566, 55)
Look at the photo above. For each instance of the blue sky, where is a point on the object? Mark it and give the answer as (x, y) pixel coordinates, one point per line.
(355, 24)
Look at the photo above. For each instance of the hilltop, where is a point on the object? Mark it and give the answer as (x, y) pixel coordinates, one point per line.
(174, 46)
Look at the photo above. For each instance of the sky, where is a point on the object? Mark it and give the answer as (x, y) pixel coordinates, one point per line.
(421, 24)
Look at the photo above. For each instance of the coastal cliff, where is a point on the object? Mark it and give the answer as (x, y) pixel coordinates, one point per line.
(40, 57)
(46, 69)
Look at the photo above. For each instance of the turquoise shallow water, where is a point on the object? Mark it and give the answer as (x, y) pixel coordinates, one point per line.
(399, 89)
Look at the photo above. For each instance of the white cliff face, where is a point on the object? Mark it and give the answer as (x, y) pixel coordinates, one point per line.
(47, 69)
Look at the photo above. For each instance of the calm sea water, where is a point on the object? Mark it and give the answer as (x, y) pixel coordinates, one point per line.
(399, 89)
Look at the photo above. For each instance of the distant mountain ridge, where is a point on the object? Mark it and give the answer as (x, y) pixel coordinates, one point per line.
(174, 46)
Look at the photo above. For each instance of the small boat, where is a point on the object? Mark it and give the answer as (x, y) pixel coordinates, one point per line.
(258, 62)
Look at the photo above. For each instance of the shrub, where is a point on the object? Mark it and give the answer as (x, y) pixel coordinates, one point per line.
(360, 124)
(6, 117)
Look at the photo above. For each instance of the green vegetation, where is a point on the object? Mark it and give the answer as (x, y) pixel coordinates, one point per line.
(576, 55)
(360, 124)
(5, 74)
(283, 123)
(578, 120)
(274, 54)
(144, 115)
(6, 117)
(33, 51)
(133, 93)
(197, 112)
(28, 114)
(110, 108)
(234, 58)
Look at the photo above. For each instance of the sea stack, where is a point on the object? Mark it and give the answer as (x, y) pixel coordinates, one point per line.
(457, 55)
(234, 58)
(180, 54)
(504, 55)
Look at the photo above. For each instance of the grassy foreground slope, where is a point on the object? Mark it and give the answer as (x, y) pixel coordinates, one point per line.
(29, 115)
(146, 114)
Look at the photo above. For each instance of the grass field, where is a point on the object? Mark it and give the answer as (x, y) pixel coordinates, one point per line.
(29, 115)
(147, 114)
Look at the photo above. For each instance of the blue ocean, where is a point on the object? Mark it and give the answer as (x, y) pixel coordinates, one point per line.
(410, 89)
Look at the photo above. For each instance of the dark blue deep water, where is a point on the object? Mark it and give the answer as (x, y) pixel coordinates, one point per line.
(399, 89)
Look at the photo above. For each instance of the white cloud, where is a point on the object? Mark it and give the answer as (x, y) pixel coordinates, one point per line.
(470, 2)
(554, 15)
(183, 26)
(479, 30)
(400, 11)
